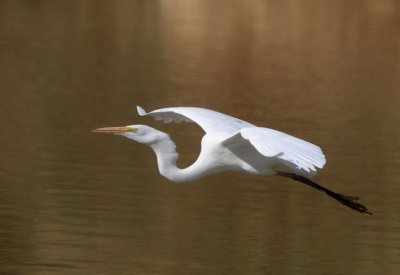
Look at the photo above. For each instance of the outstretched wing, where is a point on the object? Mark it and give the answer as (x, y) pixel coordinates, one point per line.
(210, 121)
(294, 152)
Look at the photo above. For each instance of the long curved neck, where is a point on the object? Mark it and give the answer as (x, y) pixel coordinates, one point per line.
(166, 158)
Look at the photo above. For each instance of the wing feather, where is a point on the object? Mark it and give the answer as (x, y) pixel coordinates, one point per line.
(210, 121)
(293, 151)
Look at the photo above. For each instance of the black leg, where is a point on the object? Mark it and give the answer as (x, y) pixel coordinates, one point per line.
(349, 201)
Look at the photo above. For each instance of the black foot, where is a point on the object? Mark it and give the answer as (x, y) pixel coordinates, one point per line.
(350, 201)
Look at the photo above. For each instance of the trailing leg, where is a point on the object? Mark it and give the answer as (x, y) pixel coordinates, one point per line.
(349, 201)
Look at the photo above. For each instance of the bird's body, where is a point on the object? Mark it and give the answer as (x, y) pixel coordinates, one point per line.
(214, 157)
(231, 144)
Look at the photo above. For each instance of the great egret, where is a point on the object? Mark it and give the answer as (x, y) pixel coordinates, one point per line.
(232, 144)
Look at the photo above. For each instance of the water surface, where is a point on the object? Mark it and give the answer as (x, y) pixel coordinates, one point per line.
(73, 202)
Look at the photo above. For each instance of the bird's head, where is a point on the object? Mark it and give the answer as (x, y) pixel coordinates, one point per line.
(139, 133)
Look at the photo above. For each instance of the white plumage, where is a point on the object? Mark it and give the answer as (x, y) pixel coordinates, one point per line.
(232, 144)
(297, 155)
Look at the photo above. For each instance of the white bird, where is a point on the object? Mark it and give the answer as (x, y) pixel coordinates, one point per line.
(232, 144)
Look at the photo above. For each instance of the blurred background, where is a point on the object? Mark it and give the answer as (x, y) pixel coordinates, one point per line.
(74, 202)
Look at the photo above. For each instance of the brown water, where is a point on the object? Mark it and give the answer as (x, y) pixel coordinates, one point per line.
(74, 202)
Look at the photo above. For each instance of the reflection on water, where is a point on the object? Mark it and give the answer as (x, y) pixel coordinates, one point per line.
(77, 203)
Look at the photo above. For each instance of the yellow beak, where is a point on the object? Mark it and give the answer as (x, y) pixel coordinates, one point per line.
(114, 130)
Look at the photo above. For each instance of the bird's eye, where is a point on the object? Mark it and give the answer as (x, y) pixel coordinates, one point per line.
(131, 129)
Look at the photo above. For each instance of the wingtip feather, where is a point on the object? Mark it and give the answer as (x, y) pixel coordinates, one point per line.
(141, 111)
